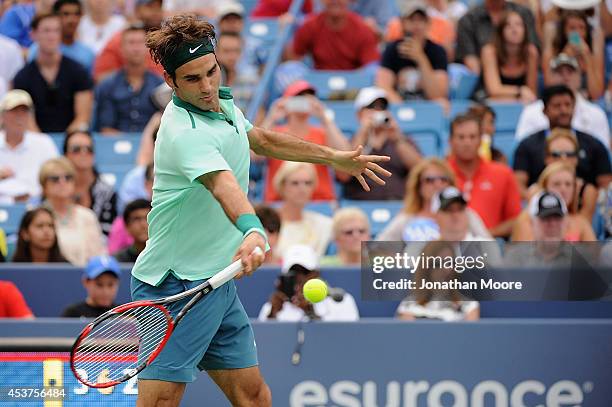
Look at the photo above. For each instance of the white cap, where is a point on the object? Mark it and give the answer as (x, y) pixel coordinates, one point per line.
(302, 255)
(409, 7)
(366, 96)
(575, 4)
(14, 98)
(229, 7)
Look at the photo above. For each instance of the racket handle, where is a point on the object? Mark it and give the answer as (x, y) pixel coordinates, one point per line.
(229, 272)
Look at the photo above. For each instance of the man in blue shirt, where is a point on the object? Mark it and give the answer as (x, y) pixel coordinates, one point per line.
(70, 12)
(123, 99)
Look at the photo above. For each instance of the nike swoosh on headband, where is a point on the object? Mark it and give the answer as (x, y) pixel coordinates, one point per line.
(191, 51)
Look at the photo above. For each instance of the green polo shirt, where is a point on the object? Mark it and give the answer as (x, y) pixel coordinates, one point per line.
(189, 233)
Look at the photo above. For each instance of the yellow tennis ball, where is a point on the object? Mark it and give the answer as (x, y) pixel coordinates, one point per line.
(315, 290)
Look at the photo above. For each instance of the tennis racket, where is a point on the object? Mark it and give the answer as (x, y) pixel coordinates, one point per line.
(120, 343)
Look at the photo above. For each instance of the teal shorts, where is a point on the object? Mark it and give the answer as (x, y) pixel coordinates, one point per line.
(215, 333)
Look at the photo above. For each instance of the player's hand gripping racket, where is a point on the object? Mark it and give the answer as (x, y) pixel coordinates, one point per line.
(118, 344)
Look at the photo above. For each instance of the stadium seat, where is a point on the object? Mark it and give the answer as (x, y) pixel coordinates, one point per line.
(505, 142)
(424, 121)
(507, 116)
(10, 217)
(458, 107)
(249, 5)
(114, 174)
(339, 85)
(58, 139)
(380, 213)
(116, 150)
(264, 29)
(344, 115)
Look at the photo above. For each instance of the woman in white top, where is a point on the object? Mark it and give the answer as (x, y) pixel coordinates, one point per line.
(416, 221)
(296, 183)
(78, 231)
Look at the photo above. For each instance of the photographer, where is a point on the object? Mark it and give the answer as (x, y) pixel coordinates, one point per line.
(287, 302)
(379, 133)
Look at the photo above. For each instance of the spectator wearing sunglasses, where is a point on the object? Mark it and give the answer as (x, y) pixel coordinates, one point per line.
(22, 152)
(588, 117)
(90, 190)
(78, 231)
(416, 221)
(380, 134)
(350, 227)
(529, 158)
(60, 87)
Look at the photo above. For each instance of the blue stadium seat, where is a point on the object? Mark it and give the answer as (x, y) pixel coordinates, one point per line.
(344, 116)
(505, 142)
(507, 116)
(380, 213)
(249, 5)
(323, 207)
(10, 217)
(58, 139)
(339, 84)
(458, 107)
(114, 174)
(116, 150)
(422, 120)
(264, 29)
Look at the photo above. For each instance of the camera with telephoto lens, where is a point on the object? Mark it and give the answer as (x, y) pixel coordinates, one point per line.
(380, 119)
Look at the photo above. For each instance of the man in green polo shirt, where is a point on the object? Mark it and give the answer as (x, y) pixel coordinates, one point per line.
(201, 218)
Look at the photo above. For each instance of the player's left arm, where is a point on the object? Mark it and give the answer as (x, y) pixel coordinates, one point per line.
(284, 146)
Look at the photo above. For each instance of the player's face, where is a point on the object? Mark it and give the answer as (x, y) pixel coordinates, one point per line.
(41, 232)
(197, 82)
(102, 290)
(465, 141)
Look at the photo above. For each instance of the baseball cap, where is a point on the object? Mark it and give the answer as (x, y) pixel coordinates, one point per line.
(229, 7)
(545, 204)
(101, 264)
(442, 200)
(297, 87)
(367, 96)
(302, 255)
(409, 7)
(14, 98)
(564, 59)
(575, 4)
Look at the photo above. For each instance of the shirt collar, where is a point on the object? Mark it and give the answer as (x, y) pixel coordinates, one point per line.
(225, 94)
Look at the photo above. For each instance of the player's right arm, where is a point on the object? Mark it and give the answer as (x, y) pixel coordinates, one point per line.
(226, 190)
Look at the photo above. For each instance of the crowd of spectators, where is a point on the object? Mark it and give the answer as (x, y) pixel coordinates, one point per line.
(81, 68)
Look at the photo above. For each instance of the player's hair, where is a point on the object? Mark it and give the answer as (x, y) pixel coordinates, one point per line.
(413, 201)
(133, 207)
(23, 253)
(57, 6)
(557, 167)
(164, 41)
(269, 217)
(345, 214)
(41, 17)
(464, 118)
(559, 133)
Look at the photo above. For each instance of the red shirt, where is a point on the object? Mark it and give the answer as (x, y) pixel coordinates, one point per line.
(110, 59)
(492, 192)
(275, 8)
(325, 185)
(12, 304)
(352, 47)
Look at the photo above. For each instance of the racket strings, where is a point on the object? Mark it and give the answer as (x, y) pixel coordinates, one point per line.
(120, 344)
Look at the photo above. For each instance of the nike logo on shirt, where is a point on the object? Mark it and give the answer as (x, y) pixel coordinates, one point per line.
(191, 51)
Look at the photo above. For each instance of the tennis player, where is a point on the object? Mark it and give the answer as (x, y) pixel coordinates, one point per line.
(201, 218)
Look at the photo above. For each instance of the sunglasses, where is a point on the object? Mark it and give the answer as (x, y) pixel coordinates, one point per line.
(297, 183)
(350, 232)
(433, 179)
(57, 178)
(80, 148)
(563, 154)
